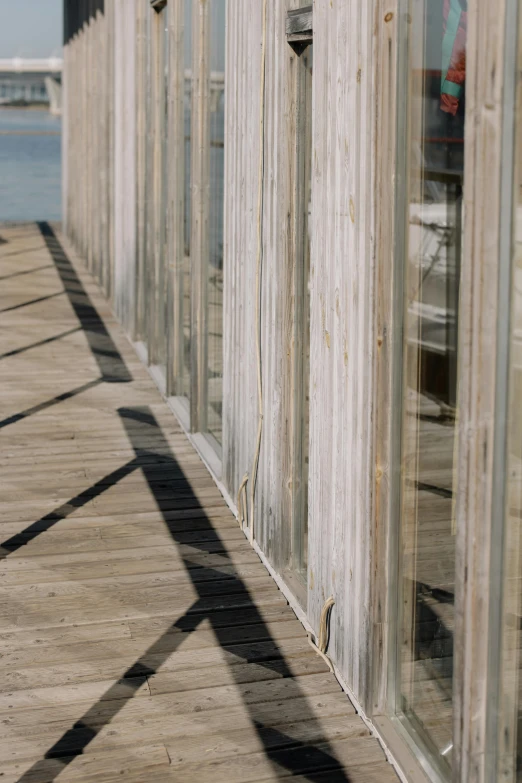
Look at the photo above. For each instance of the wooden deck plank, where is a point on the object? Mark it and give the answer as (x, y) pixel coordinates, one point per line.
(141, 637)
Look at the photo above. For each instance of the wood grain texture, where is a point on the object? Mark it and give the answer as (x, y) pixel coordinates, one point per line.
(275, 471)
(342, 285)
(141, 637)
(482, 360)
(124, 156)
(386, 335)
(200, 203)
(242, 129)
(342, 333)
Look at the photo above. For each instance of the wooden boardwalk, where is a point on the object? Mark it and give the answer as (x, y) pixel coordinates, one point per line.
(141, 639)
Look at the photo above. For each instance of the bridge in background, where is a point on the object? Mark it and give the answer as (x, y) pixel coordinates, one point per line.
(31, 81)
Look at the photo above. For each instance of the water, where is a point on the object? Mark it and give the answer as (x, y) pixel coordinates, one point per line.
(30, 165)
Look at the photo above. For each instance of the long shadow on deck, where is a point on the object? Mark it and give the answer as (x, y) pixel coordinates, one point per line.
(31, 302)
(45, 341)
(24, 271)
(289, 755)
(110, 362)
(217, 593)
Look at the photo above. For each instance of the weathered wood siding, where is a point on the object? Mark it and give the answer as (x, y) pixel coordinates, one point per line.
(341, 303)
(87, 138)
(125, 152)
(101, 193)
(99, 176)
(242, 121)
(355, 320)
(342, 340)
(241, 247)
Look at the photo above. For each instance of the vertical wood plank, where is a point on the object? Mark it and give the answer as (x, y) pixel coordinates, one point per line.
(200, 194)
(387, 335)
(176, 198)
(342, 340)
(477, 524)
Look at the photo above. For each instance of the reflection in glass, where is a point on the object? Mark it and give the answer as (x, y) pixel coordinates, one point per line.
(214, 298)
(431, 277)
(149, 186)
(156, 301)
(187, 102)
(161, 142)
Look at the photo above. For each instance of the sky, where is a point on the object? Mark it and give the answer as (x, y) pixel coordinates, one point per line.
(30, 28)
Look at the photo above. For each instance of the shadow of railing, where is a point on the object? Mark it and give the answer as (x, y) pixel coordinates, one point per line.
(24, 271)
(110, 362)
(288, 754)
(31, 302)
(42, 406)
(45, 341)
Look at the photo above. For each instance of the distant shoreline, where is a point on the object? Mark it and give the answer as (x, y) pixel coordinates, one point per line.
(24, 106)
(23, 132)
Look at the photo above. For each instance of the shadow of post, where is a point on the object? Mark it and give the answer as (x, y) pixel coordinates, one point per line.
(288, 754)
(111, 364)
(217, 594)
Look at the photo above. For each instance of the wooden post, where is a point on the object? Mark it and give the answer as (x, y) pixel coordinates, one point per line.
(142, 10)
(200, 192)
(175, 167)
(485, 287)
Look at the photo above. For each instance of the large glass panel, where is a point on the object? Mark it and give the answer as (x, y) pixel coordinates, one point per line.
(142, 118)
(156, 107)
(510, 733)
(164, 130)
(184, 387)
(434, 94)
(148, 276)
(302, 315)
(214, 278)
(158, 348)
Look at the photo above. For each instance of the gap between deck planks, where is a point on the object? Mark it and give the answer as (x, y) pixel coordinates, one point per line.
(142, 639)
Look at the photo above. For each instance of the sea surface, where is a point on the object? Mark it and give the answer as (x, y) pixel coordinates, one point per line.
(30, 165)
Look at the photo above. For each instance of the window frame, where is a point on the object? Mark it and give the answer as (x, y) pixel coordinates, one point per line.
(154, 208)
(481, 417)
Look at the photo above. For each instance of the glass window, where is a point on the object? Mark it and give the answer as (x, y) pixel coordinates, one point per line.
(184, 387)
(434, 71)
(156, 176)
(142, 118)
(214, 265)
(148, 278)
(161, 141)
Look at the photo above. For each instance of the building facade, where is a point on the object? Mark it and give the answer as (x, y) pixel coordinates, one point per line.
(307, 219)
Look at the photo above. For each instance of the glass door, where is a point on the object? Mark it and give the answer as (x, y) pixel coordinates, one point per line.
(213, 276)
(156, 301)
(185, 288)
(428, 280)
(182, 300)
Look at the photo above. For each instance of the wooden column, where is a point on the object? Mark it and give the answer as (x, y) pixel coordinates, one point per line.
(200, 193)
(175, 198)
(485, 288)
